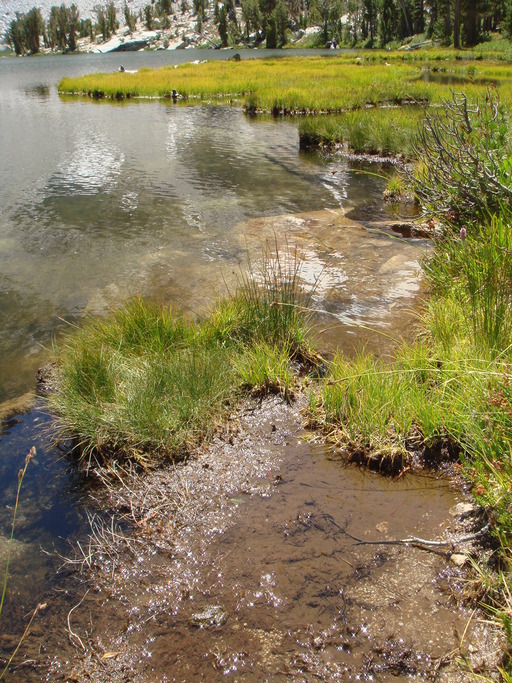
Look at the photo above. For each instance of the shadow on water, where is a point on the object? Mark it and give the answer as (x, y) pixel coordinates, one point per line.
(50, 515)
(444, 78)
(39, 91)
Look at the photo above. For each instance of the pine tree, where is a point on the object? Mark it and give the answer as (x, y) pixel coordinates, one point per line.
(223, 26)
(252, 16)
(15, 34)
(33, 28)
(148, 17)
(507, 21)
(370, 19)
(387, 22)
(129, 18)
(112, 22)
(470, 10)
(271, 33)
(418, 18)
(101, 23)
(443, 27)
(280, 15)
(73, 24)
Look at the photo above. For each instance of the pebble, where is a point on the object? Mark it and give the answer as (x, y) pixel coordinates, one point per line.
(462, 510)
(458, 559)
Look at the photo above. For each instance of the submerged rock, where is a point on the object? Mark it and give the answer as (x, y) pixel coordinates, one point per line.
(462, 510)
(213, 615)
(16, 406)
(458, 559)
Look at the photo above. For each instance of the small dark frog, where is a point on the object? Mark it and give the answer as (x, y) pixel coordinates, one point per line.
(213, 615)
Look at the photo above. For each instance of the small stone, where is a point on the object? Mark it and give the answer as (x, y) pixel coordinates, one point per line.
(458, 559)
(382, 527)
(461, 510)
(213, 615)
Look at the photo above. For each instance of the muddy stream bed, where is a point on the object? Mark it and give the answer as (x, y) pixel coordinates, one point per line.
(258, 559)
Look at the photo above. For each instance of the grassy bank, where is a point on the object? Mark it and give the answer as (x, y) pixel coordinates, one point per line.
(449, 395)
(147, 384)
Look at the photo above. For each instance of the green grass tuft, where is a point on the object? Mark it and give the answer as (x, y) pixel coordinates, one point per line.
(147, 384)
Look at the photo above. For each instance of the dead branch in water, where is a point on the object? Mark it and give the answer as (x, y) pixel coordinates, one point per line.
(414, 540)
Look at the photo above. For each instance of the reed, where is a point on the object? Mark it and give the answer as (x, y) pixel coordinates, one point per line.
(21, 475)
(383, 131)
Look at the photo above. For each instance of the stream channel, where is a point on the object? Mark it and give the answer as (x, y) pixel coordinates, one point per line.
(257, 534)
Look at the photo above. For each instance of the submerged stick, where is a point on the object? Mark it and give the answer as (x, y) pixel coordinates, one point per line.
(39, 607)
(71, 633)
(414, 539)
(421, 541)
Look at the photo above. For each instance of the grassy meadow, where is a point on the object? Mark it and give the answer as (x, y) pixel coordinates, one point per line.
(301, 84)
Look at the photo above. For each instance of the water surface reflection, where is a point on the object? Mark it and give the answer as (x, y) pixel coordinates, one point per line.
(115, 196)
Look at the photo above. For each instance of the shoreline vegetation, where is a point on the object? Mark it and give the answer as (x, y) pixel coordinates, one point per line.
(446, 397)
(371, 102)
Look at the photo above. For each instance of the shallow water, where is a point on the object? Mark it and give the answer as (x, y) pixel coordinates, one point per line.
(269, 532)
(102, 200)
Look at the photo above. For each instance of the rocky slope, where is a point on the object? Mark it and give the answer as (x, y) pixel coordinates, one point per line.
(8, 8)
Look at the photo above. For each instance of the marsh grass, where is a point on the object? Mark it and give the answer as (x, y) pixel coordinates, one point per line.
(266, 368)
(476, 266)
(294, 84)
(147, 384)
(383, 131)
(269, 306)
(444, 386)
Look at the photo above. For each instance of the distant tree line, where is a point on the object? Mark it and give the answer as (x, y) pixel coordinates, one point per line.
(26, 32)
(365, 23)
(369, 23)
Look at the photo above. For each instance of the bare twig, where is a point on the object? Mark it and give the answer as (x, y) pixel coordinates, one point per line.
(72, 634)
(414, 540)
